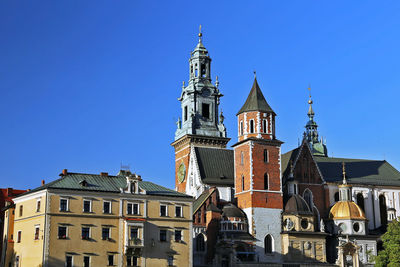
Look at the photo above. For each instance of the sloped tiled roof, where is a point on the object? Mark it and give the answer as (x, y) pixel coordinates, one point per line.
(201, 199)
(255, 101)
(215, 165)
(99, 183)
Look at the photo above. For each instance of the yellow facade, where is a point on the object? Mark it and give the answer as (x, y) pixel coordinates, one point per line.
(135, 225)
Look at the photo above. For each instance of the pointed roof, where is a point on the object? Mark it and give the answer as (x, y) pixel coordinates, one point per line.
(255, 101)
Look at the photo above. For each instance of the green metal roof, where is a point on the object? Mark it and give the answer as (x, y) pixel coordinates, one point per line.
(255, 101)
(215, 165)
(99, 183)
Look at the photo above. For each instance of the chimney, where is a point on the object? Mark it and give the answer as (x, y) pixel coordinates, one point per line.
(9, 192)
(65, 172)
(104, 173)
(43, 183)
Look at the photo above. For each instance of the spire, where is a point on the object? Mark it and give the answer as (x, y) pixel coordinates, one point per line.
(344, 188)
(310, 109)
(200, 34)
(344, 173)
(256, 100)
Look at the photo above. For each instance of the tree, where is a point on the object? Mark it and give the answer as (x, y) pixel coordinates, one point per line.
(390, 255)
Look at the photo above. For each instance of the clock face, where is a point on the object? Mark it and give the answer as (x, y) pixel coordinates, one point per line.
(181, 173)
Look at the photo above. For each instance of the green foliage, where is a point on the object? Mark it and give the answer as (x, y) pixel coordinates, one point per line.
(390, 255)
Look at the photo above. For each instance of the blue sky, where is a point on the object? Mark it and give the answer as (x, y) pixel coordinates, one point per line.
(86, 85)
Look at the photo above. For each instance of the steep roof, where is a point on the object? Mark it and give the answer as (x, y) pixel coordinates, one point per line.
(359, 171)
(255, 101)
(201, 199)
(297, 205)
(100, 183)
(215, 165)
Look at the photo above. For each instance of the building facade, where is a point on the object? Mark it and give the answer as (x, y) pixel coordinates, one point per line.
(96, 220)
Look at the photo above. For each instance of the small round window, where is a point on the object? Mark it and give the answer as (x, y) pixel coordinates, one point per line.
(304, 223)
(356, 227)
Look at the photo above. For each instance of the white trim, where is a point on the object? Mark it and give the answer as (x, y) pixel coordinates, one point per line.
(110, 203)
(29, 196)
(64, 198)
(133, 209)
(181, 207)
(90, 205)
(166, 209)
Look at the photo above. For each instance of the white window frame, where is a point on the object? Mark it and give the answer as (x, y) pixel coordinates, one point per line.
(72, 260)
(110, 209)
(166, 210)
(90, 205)
(181, 207)
(109, 232)
(67, 199)
(90, 231)
(66, 231)
(133, 209)
(37, 227)
(132, 256)
(19, 236)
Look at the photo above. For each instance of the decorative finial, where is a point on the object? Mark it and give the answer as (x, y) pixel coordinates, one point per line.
(255, 74)
(309, 90)
(183, 84)
(344, 173)
(200, 34)
(216, 81)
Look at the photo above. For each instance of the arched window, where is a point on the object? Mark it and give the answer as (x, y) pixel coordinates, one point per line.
(266, 181)
(336, 196)
(251, 126)
(200, 244)
(360, 201)
(241, 127)
(308, 197)
(268, 244)
(242, 183)
(383, 209)
(265, 126)
(265, 155)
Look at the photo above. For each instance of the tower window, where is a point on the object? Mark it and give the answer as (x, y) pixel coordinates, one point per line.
(206, 110)
(185, 113)
(265, 155)
(196, 72)
(241, 127)
(242, 183)
(268, 246)
(265, 126)
(251, 126)
(203, 70)
(266, 181)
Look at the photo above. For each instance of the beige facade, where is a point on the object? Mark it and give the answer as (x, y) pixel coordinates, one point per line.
(89, 228)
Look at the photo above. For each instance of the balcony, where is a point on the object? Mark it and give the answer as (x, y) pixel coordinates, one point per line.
(135, 243)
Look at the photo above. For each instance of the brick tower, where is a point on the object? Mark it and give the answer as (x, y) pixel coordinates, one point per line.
(258, 184)
(201, 124)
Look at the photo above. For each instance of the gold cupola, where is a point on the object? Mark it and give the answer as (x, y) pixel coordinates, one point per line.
(346, 208)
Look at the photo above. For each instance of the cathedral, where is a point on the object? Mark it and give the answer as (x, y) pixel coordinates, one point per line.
(256, 205)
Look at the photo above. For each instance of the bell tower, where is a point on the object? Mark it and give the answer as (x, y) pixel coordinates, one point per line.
(258, 183)
(201, 124)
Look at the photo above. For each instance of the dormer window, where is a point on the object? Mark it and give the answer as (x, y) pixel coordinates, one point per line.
(83, 183)
(133, 187)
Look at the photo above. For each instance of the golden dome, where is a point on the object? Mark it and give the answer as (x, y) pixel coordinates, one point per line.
(346, 210)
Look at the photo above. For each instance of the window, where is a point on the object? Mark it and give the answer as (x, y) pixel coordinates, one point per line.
(38, 205)
(87, 205)
(178, 211)
(308, 197)
(107, 207)
(62, 232)
(185, 113)
(132, 209)
(251, 126)
(360, 201)
(203, 70)
(21, 209)
(131, 261)
(200, 244)
(170, 260)
(163, 235)
(163, 210)
(241, 158)
(105, 233)
(265, 126)
(63, 204)
(86, 261)
(110, 260)
(265, 155)
(268, 244)
(68, 261)
(383, 209)
(241, 127)
(205, 108)
(19, 235)
(178, 235)
(16, 261)
(37, 231)
(242, 183)
(134, 233)
(266, 181)
(85, 232)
